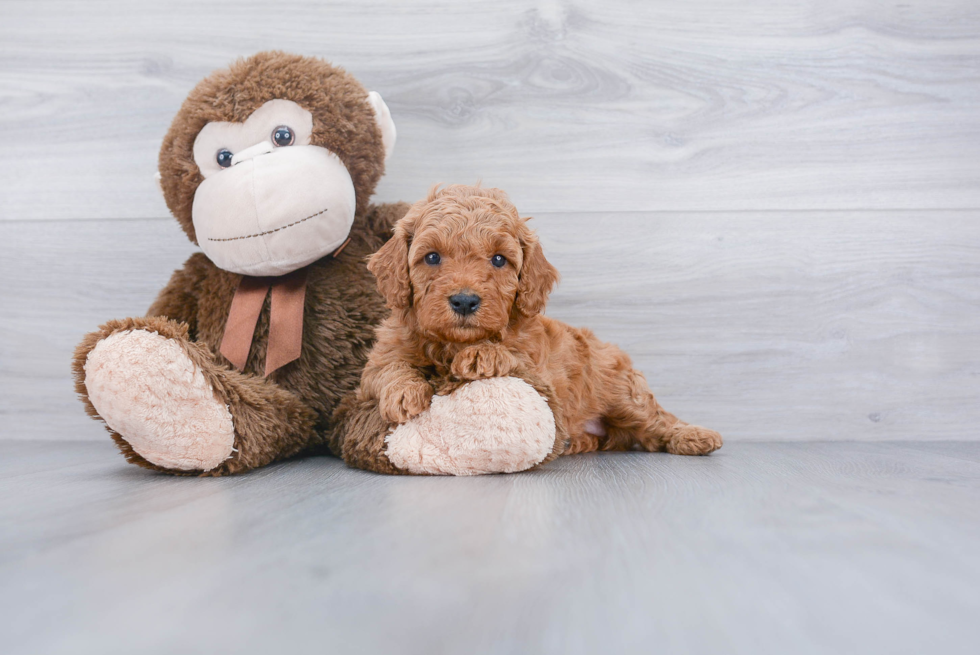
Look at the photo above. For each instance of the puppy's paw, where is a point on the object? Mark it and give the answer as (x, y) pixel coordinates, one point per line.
(406, 401)
(485, 360)
(693, 440)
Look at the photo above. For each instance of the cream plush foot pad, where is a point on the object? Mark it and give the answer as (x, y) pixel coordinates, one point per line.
(148, 390)
(499, 425)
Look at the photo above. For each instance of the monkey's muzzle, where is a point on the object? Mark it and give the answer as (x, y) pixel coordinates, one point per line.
(275, 212)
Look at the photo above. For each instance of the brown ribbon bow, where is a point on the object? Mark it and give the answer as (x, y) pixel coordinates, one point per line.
(285, 318)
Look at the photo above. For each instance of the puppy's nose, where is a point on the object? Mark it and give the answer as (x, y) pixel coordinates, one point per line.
(464, 304)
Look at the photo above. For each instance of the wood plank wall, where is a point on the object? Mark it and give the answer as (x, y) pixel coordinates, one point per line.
(772, 205)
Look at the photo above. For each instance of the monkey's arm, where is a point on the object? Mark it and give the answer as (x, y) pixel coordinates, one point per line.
(178, 300)
(458, 439)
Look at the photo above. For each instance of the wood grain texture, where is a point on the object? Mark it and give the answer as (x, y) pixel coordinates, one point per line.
(759, 548)
(572, 106)
(765, 326)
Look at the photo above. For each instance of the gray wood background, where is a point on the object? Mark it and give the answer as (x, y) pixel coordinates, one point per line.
(772, 205)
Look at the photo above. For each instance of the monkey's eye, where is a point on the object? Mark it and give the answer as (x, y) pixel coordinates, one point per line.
(433, 259)
(499, 261)
(224, 157)
(283, 136)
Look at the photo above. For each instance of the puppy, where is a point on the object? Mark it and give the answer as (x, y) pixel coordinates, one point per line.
(466, 281)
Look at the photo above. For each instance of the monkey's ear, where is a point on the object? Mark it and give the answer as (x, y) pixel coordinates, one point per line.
(536, 278)
(383, 117)
(390, 267)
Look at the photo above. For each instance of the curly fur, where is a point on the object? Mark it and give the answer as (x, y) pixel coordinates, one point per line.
(424, 341)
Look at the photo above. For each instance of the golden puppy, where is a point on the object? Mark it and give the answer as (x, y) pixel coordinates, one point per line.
(466, 281)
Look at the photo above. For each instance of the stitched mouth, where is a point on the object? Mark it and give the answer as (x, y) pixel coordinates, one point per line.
(278, 229)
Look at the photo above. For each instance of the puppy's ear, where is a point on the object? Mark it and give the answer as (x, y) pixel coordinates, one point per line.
(537, 276)
(390, 266)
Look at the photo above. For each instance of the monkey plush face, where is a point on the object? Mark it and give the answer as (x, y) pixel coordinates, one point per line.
(270, 201)
(271, 160)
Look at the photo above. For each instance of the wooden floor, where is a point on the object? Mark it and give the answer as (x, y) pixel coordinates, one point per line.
(761, 548)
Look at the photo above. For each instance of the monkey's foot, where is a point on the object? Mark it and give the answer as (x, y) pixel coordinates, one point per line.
(148, 390)
(692, 440)
(497, 425)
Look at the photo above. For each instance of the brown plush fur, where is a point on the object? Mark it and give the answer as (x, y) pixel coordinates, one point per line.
(424, 341)
(289, 412)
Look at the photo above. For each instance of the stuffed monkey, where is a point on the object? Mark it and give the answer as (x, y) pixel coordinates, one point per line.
(269, 167)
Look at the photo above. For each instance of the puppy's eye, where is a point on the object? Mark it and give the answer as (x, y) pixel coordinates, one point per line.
(432, 258)
(224, 157)
(283, 136)
(499, 261)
